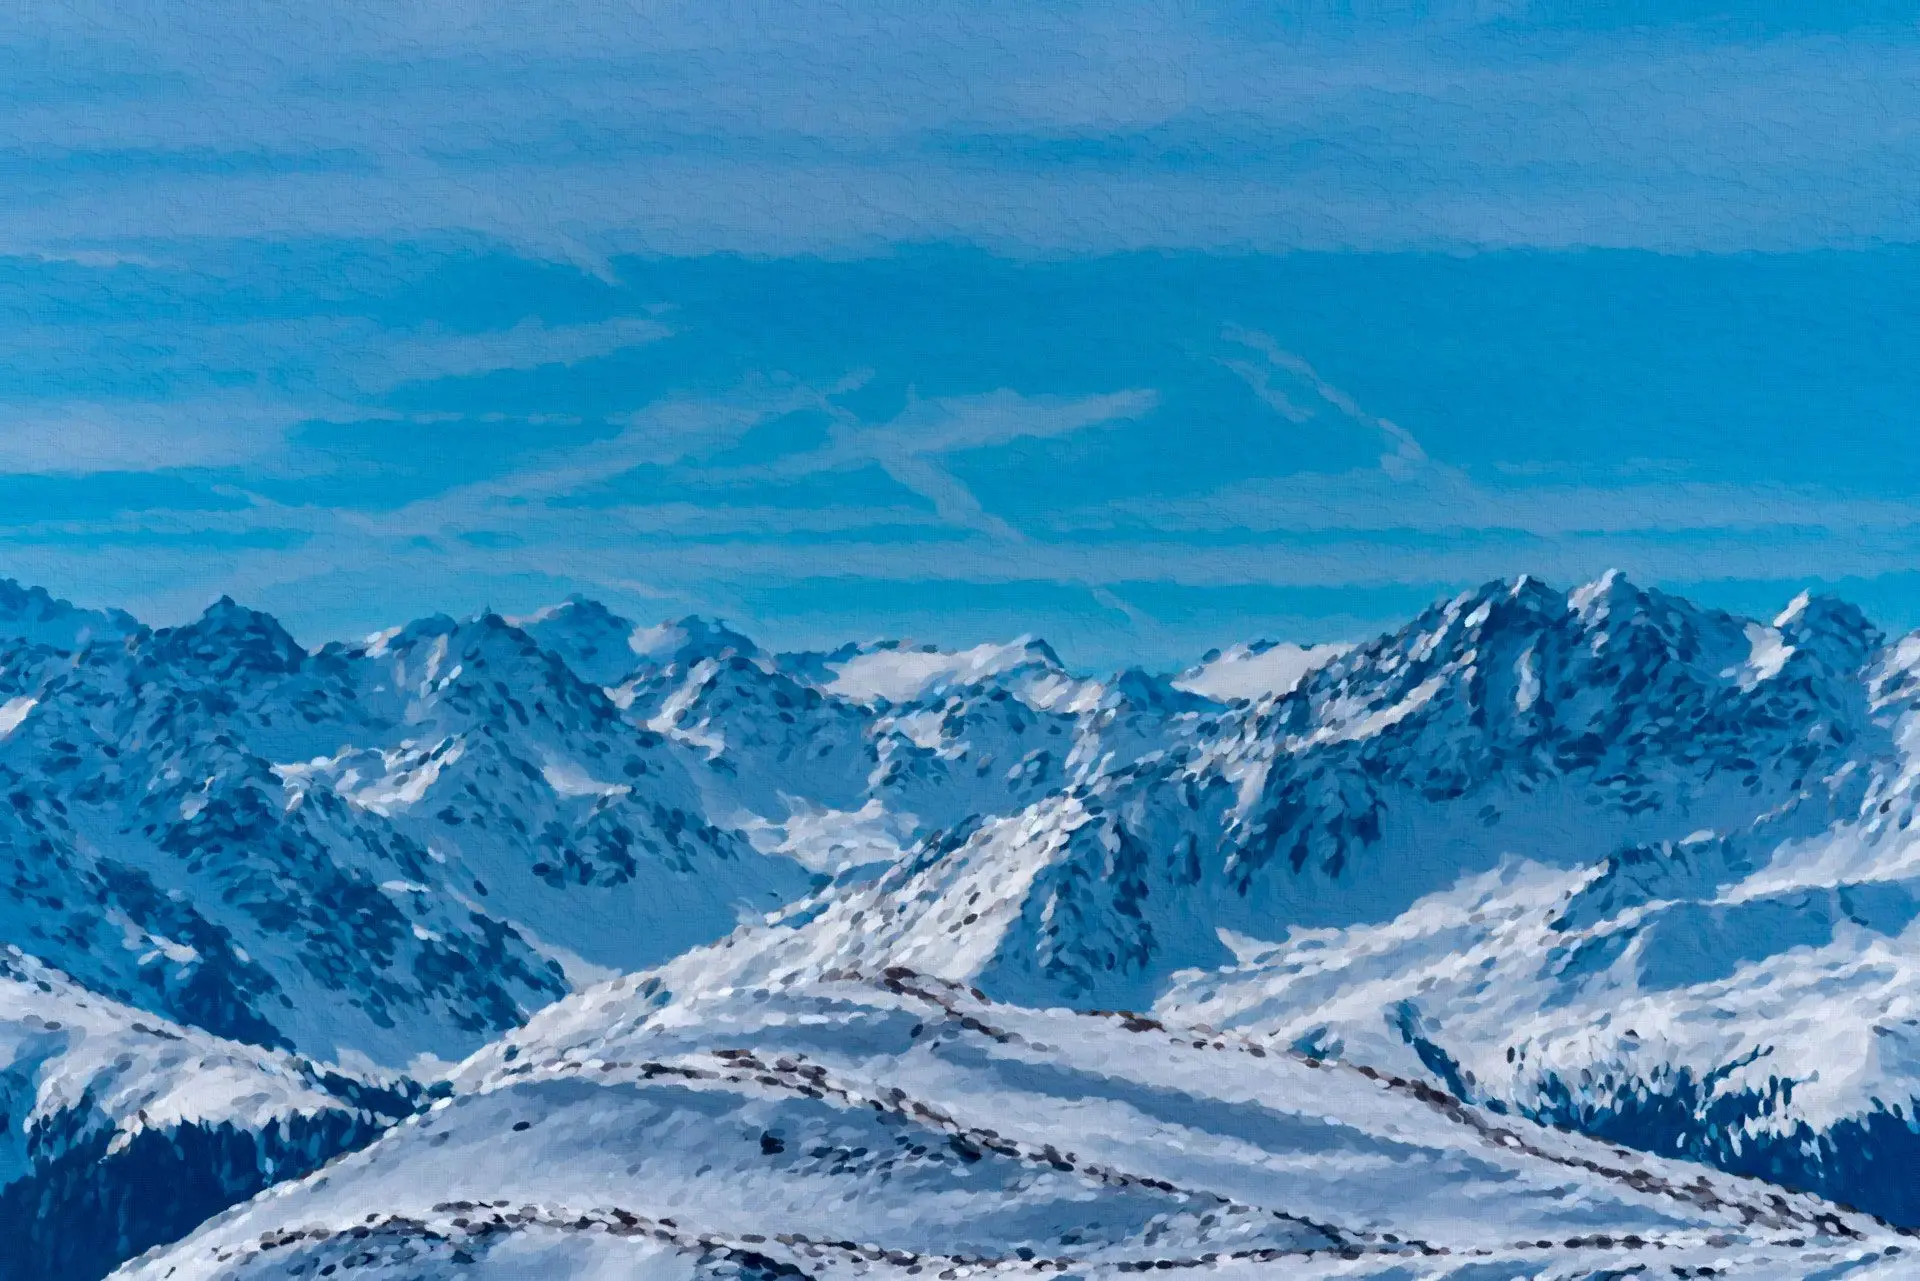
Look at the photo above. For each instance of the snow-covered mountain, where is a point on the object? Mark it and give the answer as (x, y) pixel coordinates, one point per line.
(1255, 670)
(1494, 850)
(378, 851)
(1600, 859)
(896, 1125)
(1510, 720)
(123, 1131)
(32, 614)
(1745, 995)
(403, 846)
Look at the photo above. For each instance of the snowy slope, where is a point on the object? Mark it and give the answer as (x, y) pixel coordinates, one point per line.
(1744, 997)
(1512, 721)
(119, 1131)
(380, 850)
(1600, 857)
(898, 1125)
(596, 644)
(30, 614)
(1255, 670)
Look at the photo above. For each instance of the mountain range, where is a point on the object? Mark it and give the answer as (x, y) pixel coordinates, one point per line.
(1557, 933)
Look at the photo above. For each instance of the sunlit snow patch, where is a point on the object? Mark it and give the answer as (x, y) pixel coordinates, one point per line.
(900, 675)
(1768, 655)
(14, 711)
(571, 780)
(1255, 671)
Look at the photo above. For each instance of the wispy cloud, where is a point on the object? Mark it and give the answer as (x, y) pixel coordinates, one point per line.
(911, 445)
(680, 126)
(76, 436)
(354, 432)
(435, 351)
(1403, 456)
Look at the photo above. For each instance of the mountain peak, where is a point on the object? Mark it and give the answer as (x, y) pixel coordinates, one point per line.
(227, 609)
(1142, 690)
(1595, 601)
(20, 601)
(1256, 670)
(589, 638)
(1455, 628)
(575, 610)
(1830, 627)
(900, 671)
(1810, 613)
(36, 615)
(229, 637)
(690, 640)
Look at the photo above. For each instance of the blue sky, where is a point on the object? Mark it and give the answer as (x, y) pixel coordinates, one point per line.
(1144, 327)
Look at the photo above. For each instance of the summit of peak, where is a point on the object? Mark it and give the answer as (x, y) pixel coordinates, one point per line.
(899, 672)
(685, 641)
(1811, 611)
(228, 615)
(1149, 691)
(34, 614)
(576, 609)
(1591, 600)
(1834, 628)
(586, 635)
(230, 636)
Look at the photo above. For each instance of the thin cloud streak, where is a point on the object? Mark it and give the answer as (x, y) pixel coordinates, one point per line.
(681, 127)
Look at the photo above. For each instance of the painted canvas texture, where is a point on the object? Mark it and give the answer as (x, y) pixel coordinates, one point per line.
(812, 642)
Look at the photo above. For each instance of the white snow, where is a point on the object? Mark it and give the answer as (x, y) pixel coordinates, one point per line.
(376, 644)
(14, 711)
(899, 675)
(1389, 852)
(69, 1057)
(568, 779)
(1804, 991)
(1769, 653)
(1586, 600)
(410, 771)
(655, 642)
(1370, 722)
(1255, 672)
(829, 840)
(668, 720)
(1796, 608)
(1527, 690)
(927, 1128)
